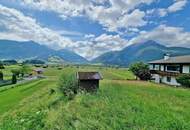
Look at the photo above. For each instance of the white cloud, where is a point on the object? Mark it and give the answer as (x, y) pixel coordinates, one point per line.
(19, 26)
(89, 36)
(113, 15)
(176, 6)
(135, 19)
(98, 45)
(69, 33)
(166, 35)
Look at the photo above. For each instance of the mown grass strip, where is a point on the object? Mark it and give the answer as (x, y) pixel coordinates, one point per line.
(10, 98)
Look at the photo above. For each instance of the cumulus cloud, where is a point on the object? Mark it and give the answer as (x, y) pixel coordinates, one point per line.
(166, 35)
(98, 45)
(135, 19)
(176, 6)
(20, 27)
(113, 15)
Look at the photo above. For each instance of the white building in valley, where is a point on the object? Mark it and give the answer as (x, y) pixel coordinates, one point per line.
(166, 70)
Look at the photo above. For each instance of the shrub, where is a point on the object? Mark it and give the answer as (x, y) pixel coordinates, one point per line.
(184, 80)
(1, 75)
(14, 79)
(141, 70)
(68, 84)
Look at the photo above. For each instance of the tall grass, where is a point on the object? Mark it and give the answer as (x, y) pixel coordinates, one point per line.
(118, 105)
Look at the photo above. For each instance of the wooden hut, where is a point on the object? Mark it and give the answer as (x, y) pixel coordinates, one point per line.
(38, 71)
(89, 81)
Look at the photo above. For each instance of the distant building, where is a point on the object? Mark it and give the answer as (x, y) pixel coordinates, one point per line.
(38, 71)
(166, 70)
(89, 81)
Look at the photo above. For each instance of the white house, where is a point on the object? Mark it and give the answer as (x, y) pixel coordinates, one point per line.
(166, 70)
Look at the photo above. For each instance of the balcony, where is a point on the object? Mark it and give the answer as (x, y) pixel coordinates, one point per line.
(165, 73)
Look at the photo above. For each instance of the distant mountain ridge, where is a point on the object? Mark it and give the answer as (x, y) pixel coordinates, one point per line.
(23, 50)
(145, 52)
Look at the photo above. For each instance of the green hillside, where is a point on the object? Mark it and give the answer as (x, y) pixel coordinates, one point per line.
(119, 104)
(32, 50)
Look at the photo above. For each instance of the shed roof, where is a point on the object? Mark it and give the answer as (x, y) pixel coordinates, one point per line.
(89, 76)
(173, 60)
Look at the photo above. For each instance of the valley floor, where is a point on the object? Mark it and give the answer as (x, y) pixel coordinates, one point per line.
(120, 104)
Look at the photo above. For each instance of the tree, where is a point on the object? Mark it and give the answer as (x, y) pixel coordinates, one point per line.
(16, 72)
(2, 66)
(14, 79)
(25, 70)
(10, 62)
(1, 75)
(34, 61)
(141, 70)
(184, 80)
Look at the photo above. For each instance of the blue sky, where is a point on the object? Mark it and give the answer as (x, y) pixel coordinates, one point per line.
(93, 27)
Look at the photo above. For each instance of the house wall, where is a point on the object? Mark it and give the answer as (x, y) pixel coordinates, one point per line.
(172, 82)
(156, 78)
(186, 69)
(162, 67)
(163, 79)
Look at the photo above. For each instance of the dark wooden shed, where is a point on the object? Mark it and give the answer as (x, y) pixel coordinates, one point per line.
(89, 81)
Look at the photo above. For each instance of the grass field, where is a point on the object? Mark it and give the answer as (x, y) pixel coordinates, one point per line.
(120, 104)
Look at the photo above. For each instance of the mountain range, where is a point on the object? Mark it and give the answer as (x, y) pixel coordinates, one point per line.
(31, 50)
(146, 51)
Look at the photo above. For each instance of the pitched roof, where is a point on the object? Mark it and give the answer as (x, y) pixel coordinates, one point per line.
(173, 60)
(89, 76)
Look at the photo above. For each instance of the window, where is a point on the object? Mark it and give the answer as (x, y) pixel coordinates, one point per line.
(156, 67)
(168, 79)
(173, 68)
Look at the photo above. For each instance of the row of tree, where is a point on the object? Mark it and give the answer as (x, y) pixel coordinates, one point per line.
(16, 73)
(13, 62)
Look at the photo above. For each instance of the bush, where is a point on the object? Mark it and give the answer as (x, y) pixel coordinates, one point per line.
(141, 70)
(1, 75)
(14, 79)
(184, 80)
(68, 84)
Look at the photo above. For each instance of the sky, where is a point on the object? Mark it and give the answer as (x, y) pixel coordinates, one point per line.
(93, 27)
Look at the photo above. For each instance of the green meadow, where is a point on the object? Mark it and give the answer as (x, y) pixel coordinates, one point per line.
(120, 104)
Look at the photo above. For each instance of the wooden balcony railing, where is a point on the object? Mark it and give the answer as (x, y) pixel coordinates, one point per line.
(165, 73)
